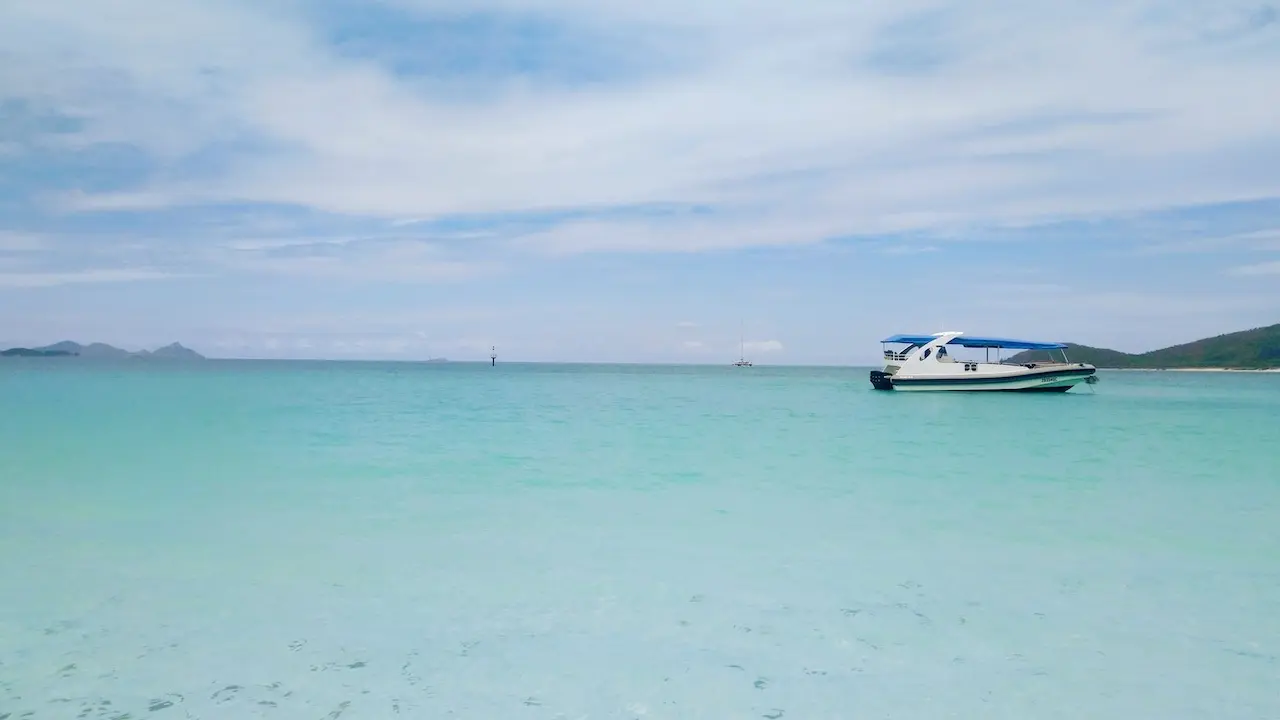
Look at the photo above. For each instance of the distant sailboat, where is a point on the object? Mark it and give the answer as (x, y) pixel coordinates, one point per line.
(742, 355)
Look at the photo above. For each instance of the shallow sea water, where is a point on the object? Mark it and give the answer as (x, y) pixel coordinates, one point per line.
(363, 540)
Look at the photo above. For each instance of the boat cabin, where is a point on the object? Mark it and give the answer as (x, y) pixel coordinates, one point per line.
(951, 347)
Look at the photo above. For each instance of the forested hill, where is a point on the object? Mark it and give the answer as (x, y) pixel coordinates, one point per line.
(1258, 348)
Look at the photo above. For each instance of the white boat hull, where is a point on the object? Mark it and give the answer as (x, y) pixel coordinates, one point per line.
(1051, 381)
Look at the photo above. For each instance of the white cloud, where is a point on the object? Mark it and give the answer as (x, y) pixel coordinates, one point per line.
(51, 279)
(394, 260)
(762, 346)
(1263, 240)
(20, 242)
(909, 249)
(1257, 269)
(60, 259)
(687, 325)
(747, 123)
(1133, 306)
(777, 116)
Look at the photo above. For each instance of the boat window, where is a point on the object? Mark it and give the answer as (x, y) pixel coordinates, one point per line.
(926, 353)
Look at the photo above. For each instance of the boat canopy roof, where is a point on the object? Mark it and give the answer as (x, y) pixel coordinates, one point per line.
(977, 342)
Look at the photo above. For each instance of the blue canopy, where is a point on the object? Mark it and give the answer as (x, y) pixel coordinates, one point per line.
(977, 342)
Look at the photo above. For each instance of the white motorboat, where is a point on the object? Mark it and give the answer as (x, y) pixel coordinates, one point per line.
(923, 362)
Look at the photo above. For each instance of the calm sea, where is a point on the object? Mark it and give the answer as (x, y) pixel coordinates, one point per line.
(324, 540)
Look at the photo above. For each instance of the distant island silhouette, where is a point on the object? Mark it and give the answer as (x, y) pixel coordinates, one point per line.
(1256, 349)
(102, 351)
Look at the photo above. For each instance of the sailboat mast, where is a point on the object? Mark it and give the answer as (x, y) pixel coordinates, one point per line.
(742, 348)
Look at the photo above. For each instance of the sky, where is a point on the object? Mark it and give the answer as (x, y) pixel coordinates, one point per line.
(628, 181)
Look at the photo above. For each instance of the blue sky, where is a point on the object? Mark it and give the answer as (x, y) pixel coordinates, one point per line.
(635, 181)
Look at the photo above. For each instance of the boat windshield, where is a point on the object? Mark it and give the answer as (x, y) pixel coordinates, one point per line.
(898, 355)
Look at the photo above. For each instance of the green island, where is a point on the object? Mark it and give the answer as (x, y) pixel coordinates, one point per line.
(102, 351)
(1256, 349)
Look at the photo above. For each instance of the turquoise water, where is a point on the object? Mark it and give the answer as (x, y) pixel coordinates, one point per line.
(312, 540)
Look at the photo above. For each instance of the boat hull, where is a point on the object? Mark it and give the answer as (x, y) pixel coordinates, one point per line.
(1034, 380)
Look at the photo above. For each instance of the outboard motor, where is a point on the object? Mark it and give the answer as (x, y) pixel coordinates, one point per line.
(880, 380)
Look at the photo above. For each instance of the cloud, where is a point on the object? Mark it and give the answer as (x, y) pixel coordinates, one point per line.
(1255, 240)
(1258, 269)
(812, 153)
(762, 346)
(348, 345)
(687, 325)
(17, 242)
(794, 122)
(371, 260)
(1130, 304)
(51, 279)
(909, 249)
(373, 257)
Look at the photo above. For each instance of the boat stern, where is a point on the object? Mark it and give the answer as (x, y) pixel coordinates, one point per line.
(880, 380)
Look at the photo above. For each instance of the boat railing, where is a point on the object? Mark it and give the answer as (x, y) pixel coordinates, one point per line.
(1035, 363)
(892, 356)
